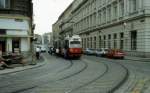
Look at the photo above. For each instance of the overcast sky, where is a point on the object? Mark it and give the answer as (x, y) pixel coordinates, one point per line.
(46, 12)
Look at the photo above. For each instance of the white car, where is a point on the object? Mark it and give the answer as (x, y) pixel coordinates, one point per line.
(43, 49)
(101, 52)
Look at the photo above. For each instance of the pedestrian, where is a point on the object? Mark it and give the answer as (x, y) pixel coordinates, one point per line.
(57, 51)
(37, 53)
(51, 49)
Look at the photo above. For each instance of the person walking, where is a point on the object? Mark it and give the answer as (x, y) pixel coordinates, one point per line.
(37, 53)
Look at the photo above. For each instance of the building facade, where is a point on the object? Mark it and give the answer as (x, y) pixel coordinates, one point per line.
(16, 25)
(56, 30)
(38, 39)
(113, 24)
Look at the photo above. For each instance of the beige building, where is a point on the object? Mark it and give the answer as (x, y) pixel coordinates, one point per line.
(16, 26)
(63, 26)
(56, 31)
(113, 24)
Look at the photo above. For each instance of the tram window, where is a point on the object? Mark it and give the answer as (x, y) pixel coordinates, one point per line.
(74, 42)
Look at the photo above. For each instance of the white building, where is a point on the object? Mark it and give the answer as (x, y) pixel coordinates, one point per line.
(15, 26)
(114, 24)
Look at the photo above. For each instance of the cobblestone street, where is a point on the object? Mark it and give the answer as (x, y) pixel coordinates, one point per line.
(90, 74)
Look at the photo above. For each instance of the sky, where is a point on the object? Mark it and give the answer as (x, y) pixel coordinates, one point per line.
(46, 13)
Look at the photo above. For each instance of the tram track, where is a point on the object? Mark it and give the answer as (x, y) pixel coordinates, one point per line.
(73, 74)
(79, 70)
(98, 79)
(102, 75)
(34, 86)
(93, 80)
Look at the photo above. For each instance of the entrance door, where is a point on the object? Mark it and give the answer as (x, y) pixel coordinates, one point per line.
(16, 45)
(3, 46)
(0, 49)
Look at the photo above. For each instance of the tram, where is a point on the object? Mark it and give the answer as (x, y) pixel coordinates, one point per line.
(71, 47)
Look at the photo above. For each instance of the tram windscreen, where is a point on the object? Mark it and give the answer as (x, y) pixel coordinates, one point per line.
(74, 44)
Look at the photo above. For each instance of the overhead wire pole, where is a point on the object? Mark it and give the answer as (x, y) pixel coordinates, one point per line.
(32, 47)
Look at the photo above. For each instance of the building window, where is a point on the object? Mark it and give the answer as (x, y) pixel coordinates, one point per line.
(95, 18)
(104, 41)
(91, 42)
(99, 17)
(109, 13)
(133, 40)
(109, 41)
(87, 42)
(121, 5)
(105, 15)
(115, 40)
(133, 5)
(100, 42)
(95, 42)
(121, 40)
(4, 4)
(115, 10)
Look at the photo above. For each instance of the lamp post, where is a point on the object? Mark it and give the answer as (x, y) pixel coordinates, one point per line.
(33, 51)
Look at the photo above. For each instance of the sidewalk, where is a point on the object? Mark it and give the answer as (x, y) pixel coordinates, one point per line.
(137, 59)
(20, 67)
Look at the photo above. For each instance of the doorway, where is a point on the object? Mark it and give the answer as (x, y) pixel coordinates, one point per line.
(16, 45)
(3, 45)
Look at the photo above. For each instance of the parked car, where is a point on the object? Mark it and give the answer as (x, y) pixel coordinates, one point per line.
(115, 53)
(101, 52)
(89, 51)
(51, 50)
(43, 49)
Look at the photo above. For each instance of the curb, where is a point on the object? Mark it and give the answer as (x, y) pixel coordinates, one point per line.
(22, 68)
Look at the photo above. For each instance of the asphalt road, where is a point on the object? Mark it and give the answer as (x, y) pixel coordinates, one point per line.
(90, 74)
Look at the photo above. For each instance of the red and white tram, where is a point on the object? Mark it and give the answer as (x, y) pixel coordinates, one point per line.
(72, 47)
